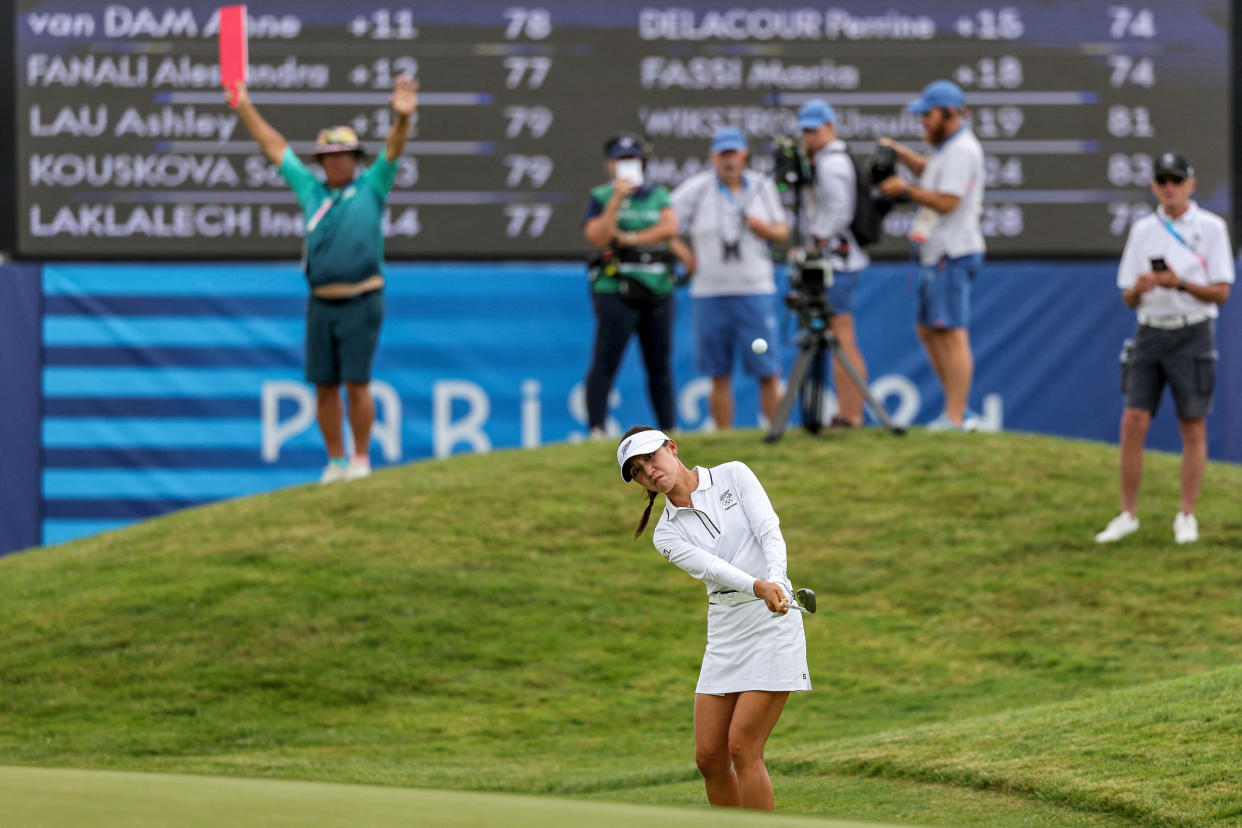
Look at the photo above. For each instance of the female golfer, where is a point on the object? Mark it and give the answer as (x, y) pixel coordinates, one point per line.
(719, 526)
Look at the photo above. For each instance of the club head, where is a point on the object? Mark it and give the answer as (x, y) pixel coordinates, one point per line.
(806, 597)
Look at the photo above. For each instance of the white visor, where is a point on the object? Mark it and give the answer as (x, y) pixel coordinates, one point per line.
(644, 442)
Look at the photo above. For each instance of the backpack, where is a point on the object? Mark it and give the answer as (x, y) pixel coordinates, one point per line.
(869, 212)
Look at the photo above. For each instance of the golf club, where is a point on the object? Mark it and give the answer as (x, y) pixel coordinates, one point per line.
(806, 597)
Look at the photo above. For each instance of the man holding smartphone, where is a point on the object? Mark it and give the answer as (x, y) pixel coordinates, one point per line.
(1175, 271)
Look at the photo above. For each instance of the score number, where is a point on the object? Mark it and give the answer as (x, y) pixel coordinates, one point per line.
(527, 219)
(1126, 21)
(535, 23)
(990, 73)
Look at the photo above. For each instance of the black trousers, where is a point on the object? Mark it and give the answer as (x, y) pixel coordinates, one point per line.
(615, 320)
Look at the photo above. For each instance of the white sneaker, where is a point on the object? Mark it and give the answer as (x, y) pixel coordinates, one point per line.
(942, 423)
(357, 469)
(971, 421)
(1185, 528)
(597, 434)
(333, 473)
(1117, 528)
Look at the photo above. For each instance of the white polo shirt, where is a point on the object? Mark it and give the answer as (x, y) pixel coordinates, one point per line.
(1205, 258)
(730, 535)
(955, 167)
(830, 207)
(713, 216)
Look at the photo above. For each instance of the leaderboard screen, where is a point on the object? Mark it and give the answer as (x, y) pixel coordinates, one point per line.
(127, 149)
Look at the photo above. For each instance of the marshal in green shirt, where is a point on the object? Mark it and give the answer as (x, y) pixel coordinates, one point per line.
(638, 212)
(344, 229)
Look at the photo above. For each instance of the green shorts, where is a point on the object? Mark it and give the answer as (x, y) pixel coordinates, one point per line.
(341, 335)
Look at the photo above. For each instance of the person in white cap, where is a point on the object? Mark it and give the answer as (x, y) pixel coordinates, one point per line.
(1175, 271)
(719, 526)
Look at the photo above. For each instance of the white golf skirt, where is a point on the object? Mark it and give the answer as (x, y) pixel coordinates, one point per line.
(748, 649)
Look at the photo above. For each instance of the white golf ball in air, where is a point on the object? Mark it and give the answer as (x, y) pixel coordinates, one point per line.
(759, 346)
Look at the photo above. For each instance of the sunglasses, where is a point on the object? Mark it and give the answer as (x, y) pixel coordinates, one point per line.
(1167, 179)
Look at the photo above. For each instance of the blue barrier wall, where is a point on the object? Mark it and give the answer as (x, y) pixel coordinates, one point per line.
(164, 386)
(20, 367)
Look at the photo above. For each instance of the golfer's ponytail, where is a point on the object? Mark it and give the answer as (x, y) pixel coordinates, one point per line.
(651, 496)
(642, 523)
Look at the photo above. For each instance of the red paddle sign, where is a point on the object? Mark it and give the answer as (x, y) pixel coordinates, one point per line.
(234, 56)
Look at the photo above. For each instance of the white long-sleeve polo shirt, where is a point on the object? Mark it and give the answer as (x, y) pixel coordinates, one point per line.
(729, 536)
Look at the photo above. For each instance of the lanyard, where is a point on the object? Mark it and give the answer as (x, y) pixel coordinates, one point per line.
(724, 202)
(1168, 225)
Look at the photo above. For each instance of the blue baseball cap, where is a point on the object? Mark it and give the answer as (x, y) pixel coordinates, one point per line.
(728, 138)
(815, 113)
(937, 94)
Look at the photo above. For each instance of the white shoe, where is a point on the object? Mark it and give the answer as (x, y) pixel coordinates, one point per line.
(357, 469)
(597, 434)
(1117, 528)
(971, 421)
(943, 423)
(1185, 528)
(333, 473)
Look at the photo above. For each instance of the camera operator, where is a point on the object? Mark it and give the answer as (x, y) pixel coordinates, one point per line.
(730, 214)
(630, 223)
(830, 209)
(948, 240)
(1176, 271)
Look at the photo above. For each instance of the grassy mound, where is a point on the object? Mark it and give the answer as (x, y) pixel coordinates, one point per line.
(485, 623)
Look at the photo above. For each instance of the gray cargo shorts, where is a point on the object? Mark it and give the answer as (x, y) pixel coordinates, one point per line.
(1183, 358)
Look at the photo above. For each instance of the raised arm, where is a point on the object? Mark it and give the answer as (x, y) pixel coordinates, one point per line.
(404, 103)
(270, 141)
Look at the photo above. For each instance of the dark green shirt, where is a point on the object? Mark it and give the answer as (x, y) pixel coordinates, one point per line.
(638, 212)
(344, 229)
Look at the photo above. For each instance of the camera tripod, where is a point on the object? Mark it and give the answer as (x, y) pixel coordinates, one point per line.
(816, 344)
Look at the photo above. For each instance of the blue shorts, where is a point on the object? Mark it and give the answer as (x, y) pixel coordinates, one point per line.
(841, 294)
(944, 292)
(726, 325)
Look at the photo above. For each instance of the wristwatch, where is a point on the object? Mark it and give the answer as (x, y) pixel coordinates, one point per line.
(1181, 285)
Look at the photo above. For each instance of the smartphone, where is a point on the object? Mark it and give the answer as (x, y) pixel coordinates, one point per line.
(630, 169)
(1158, 264)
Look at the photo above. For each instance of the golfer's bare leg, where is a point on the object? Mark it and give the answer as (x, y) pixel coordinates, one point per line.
(958, 366)
(769, 396)
(1134, 424)
(721, 402)
(753, 719)
(330, 412)
(712, 716)
(849, 398)
(1194, 461)
(361, 414)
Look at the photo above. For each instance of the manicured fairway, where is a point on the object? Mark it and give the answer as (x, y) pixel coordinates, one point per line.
(52, 798)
